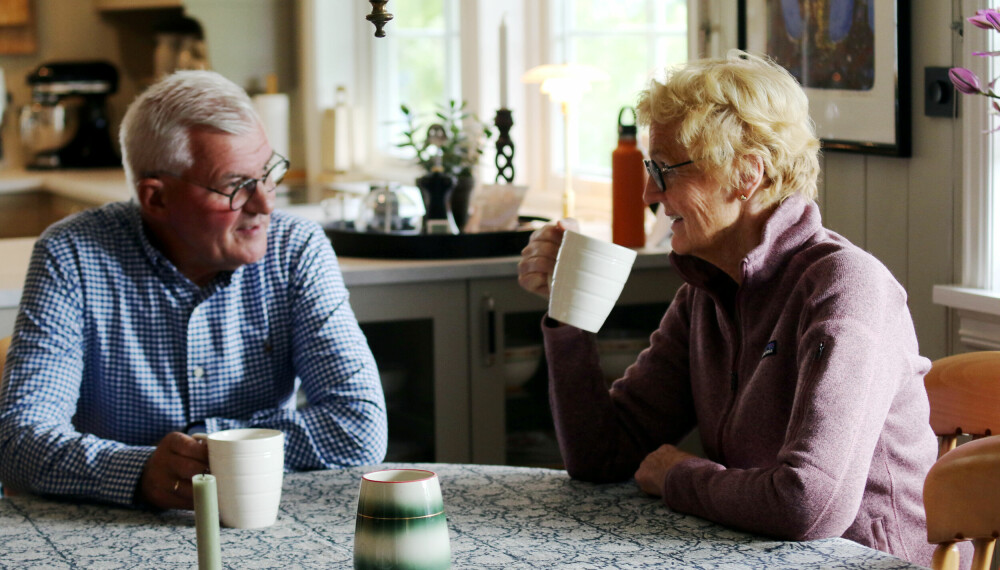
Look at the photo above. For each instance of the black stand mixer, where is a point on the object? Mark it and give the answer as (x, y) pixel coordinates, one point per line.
(66, 124)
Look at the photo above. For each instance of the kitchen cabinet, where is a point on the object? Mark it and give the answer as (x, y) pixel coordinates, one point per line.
(508, 373)
(461, 359)
(417, 331)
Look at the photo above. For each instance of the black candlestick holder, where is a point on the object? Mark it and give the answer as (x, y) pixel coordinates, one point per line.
(505, 147)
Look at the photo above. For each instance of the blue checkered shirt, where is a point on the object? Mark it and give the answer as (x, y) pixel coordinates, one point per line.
(113, 348)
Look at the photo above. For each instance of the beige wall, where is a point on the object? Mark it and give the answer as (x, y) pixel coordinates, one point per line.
(905, 210)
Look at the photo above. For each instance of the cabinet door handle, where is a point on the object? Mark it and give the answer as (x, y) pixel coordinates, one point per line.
(490, 334)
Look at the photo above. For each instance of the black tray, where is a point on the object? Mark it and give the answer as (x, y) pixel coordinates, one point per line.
(350, 243)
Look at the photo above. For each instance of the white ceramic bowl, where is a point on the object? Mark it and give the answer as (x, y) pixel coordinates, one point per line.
(520, 364)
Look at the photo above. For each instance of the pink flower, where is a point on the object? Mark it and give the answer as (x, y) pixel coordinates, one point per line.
(964, 80)
(988, 19)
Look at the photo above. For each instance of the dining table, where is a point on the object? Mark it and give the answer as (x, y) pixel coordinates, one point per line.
(498, 517)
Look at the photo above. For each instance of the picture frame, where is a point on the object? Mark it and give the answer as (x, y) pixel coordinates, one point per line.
(854, 65)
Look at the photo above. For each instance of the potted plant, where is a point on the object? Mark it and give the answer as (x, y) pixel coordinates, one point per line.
(459, 148)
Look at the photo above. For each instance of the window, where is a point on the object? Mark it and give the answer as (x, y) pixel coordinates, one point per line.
(980, 171)
(978, 295)
(417, 64)
(440, 50)
(990, 258)
(630, 40)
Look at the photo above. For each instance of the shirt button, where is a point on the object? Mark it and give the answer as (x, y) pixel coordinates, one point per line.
(198, 371)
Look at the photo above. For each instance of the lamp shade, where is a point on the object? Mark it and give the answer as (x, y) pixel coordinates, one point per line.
(564, 82)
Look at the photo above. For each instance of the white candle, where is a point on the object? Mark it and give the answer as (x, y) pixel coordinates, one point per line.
(206, 520)
(503, 62)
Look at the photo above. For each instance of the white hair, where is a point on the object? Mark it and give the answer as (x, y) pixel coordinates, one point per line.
(154, 133)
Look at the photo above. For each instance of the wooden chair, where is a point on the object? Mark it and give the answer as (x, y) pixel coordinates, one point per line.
(961, 492)
(964, 392)
(4, 345)
(962, 500)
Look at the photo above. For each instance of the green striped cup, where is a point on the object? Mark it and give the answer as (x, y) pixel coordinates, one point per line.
(401, 521)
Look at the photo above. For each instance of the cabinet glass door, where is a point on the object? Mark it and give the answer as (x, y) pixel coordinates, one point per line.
(512, 422)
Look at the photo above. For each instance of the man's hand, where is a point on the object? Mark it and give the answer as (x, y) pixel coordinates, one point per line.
(653, 469)
(166, 479)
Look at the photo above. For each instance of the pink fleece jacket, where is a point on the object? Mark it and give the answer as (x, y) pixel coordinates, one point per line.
(805, 382)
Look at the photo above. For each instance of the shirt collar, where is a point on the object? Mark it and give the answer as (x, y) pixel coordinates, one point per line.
(165, 268)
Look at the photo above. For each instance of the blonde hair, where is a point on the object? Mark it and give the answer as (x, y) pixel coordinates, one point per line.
(730, 108)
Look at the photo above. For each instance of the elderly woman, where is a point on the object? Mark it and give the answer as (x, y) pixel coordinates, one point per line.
(790, 349)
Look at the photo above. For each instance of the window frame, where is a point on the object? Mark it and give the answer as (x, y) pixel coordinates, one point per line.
(980, 169)
(976, 298)
(529, 44)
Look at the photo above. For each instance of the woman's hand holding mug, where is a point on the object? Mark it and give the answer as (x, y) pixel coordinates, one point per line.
(538, 258)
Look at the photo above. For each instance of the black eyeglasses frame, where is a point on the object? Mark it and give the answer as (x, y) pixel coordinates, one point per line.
(656, 172)
(251, 183)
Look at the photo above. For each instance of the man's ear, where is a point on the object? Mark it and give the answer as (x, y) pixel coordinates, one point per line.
(150, 193)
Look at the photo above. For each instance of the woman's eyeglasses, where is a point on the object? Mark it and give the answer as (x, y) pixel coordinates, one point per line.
(657, 172)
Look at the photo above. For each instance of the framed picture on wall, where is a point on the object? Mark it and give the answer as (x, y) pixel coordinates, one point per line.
(852, 57)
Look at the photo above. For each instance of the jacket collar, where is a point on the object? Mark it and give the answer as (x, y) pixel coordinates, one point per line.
(793, 223)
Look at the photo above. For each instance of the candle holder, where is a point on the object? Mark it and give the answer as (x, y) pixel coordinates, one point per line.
(505, 147)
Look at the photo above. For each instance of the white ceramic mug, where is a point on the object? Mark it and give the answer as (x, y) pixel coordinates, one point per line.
(588, 278)
(401, 521)
(248, 465)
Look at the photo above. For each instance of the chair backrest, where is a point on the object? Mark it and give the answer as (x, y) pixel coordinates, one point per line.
(4, 345)
(962, 500)
(964, 393)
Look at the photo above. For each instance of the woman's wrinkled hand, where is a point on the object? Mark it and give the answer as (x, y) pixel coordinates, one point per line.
(538, 258)
(652, 471)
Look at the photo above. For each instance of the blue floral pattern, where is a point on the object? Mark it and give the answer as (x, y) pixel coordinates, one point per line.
(498, 517)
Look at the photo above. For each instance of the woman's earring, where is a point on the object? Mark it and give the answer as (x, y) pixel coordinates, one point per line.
(743, 197)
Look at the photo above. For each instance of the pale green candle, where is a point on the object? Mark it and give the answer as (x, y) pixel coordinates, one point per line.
(206, 519)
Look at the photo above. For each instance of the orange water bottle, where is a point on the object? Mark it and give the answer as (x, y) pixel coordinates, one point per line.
(628, 176)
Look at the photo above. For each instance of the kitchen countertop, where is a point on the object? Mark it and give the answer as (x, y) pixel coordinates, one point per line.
(107, 185)
(100, 185)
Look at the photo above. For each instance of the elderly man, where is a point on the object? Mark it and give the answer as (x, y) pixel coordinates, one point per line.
(194, 307)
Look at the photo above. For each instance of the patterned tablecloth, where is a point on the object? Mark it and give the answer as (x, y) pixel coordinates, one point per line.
(499, 517)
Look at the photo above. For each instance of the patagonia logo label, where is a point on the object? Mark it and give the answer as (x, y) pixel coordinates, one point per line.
(771, 348)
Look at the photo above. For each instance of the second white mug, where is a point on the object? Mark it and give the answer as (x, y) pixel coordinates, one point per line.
(248, 465)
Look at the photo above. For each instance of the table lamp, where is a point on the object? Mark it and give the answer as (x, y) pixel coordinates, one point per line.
(565, 84)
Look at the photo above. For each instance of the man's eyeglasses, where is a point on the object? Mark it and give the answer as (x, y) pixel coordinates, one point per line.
(657, 172)
(241, 191)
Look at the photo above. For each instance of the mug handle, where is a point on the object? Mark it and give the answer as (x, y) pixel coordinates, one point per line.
(203, 438)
